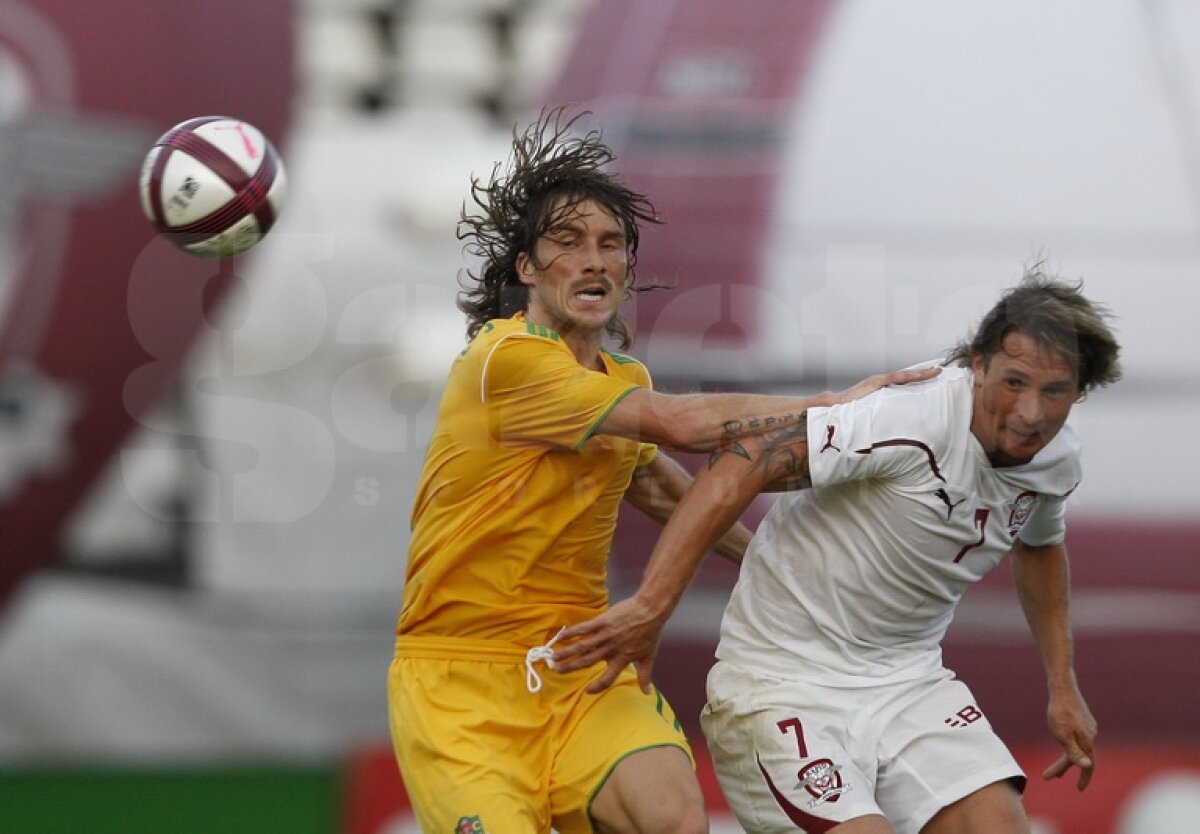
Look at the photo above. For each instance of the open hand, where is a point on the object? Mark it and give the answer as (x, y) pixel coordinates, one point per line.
(626, 633)
(877, 381)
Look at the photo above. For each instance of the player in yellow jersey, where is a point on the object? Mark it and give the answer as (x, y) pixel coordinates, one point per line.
(542, 432)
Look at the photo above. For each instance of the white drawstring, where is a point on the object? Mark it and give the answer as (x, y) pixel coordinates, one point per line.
(532, 682)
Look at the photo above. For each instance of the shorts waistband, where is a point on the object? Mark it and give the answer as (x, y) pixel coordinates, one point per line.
(433, 647)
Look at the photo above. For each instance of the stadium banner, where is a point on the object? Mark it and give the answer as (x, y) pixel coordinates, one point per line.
(96, 313)
(695, 99)
(1135, 788)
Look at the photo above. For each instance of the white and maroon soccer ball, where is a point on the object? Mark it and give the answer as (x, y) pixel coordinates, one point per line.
(213, 186)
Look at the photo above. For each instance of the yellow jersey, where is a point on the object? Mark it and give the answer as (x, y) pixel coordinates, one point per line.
(518, 498)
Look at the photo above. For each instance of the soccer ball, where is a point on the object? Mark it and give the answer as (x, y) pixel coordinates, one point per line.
(213, 186)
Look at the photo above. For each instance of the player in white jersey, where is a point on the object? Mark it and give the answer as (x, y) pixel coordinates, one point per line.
(829, 709)
(906, 513)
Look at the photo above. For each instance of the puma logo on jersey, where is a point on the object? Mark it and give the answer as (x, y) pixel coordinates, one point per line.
(829, 444)
(945, 498)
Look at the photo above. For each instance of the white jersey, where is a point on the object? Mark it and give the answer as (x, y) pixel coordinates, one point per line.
(854, 582)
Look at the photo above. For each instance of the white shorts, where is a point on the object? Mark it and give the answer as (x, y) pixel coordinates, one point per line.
(791, 756)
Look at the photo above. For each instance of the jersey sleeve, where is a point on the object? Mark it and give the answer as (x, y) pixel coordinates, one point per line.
(1047, 524)
(886, 434)
(647, 452)
(536, 392)
(639, 374)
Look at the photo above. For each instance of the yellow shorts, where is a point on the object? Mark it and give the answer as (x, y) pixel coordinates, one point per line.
(479, 753)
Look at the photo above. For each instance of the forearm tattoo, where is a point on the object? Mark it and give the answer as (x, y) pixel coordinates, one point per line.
(756, 425)
(780, 454)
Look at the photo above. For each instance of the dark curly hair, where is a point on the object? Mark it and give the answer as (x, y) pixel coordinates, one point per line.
(551, 171)
(1056, 315)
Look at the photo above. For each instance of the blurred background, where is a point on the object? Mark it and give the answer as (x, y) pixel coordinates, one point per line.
(206, 467)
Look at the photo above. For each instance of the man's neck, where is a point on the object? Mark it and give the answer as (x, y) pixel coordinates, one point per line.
(585, 348)
(584, 345)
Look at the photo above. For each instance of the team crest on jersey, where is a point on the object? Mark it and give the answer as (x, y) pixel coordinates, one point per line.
(822, 779)
(469, 825)
(1019, 510)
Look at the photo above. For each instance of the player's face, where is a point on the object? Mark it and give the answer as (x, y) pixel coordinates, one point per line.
(584, 264)
(1023, 394)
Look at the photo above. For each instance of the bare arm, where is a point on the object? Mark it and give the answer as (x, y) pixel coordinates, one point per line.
(629, 631)
(704, 422)
(1042, 578)
(656, 490)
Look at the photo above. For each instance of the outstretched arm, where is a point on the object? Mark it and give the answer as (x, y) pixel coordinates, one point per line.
(1042, 577)
(656, 490)
(629, 631)
(704, 422)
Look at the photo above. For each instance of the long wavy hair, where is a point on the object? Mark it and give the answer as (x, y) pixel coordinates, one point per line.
(551, 171)
(1057, 316)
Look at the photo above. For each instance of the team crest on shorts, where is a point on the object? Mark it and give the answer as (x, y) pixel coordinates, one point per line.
(469, 825)
(822, 779)
(1019, 510)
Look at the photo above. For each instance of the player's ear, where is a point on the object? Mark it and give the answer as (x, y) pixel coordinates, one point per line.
(979, 365)
(525, 268)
